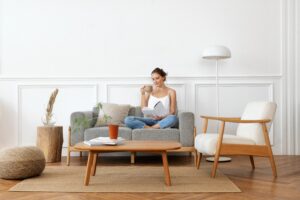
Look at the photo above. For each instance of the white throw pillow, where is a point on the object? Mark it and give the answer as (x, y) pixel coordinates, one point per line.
(116, 113)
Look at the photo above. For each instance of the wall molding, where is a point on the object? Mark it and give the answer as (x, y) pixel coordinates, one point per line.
(285, 83)
(297, 64)
(21, 87)
(172, 84)
(289, 77)
(269, 85)
(1, 38)
(138, 77)
(101, 88)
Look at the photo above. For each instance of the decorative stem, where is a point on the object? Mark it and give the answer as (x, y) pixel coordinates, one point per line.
(50, 106)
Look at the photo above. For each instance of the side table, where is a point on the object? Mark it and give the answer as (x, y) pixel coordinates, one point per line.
(50, 140)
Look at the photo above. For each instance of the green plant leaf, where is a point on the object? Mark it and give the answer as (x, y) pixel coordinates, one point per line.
(84, 121)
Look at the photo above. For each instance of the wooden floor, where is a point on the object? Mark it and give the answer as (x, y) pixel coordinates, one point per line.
(257, 184)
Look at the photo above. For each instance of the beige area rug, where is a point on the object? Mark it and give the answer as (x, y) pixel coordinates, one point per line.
(126, 179)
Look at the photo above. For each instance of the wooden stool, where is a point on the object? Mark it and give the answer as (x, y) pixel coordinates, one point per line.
(50, 140)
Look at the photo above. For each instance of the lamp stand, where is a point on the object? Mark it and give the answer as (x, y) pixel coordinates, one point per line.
(221, 158)
(217, 87)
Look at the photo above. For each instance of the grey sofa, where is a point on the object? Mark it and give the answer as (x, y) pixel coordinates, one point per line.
(183, 132)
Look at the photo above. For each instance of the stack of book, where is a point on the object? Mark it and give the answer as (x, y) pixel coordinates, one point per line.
(104, 141)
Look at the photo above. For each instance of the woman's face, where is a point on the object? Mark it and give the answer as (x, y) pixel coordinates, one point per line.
(157, 79)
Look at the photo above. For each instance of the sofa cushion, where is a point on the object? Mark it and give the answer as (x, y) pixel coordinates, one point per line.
(116, 113)
(156, 134)
(135, 111)
(91, 133)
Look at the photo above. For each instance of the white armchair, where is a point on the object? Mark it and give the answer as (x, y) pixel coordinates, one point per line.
(251, 138)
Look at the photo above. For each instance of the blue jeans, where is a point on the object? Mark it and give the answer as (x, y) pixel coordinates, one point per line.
(141, 122)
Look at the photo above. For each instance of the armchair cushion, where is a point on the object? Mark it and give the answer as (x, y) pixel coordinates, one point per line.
(207, 143)
(254, 111)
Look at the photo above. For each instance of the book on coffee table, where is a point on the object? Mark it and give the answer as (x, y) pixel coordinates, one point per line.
(103, 141)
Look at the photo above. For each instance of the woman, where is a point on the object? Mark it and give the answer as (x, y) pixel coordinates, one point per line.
(162, 93)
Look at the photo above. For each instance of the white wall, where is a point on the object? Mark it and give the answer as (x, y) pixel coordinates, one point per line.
(297, 88)
(113, 37)
(103, 50)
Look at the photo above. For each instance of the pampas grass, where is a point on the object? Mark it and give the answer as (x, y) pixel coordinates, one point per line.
(50, 106)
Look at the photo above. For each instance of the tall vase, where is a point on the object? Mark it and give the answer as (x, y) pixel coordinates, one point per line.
(48, 120)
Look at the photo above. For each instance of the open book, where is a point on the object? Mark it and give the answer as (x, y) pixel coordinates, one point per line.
(103, 141)
(158, 110)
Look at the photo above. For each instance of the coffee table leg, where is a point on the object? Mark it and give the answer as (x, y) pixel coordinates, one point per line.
(88, 168)
(166, 168)
(94, 167)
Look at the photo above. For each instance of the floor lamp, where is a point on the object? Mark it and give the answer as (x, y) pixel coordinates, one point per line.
(217, 53)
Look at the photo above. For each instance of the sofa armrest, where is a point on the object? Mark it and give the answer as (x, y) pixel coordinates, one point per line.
(186, 128)
(77, 131)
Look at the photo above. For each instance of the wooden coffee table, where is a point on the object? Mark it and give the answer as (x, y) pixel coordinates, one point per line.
(128, 146)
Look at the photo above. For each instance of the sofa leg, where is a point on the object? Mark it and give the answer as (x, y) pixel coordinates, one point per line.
(132, 157)
(68, 157)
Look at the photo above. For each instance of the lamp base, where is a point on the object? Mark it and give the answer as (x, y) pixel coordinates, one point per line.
(221, 159)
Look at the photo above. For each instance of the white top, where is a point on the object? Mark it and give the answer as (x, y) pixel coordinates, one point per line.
(165, 101)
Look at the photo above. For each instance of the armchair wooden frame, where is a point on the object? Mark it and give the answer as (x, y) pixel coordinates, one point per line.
(239, 149)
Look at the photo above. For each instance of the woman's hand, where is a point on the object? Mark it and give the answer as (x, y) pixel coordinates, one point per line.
(142, 90)
(144, 97)
(146, 89)
(158, 117)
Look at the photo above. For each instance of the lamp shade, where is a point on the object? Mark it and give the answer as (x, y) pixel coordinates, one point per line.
(216, 52)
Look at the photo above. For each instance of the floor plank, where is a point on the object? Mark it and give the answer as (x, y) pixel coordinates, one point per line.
(257, 184)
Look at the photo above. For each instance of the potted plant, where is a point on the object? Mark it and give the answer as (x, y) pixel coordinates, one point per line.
(84, 122)
(113, 128)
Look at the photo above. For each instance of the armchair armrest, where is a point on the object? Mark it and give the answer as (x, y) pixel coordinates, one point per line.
(236, 119)
(186, 128)
(78, 130)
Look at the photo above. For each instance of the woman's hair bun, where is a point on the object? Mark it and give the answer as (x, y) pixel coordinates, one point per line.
(159, 71)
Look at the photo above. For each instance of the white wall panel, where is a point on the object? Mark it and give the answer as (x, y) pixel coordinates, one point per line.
(33, 100)
(297, 89)
(232, 100)
(124, 94)
(130, 37)
(130, 94)
(103, 50)
(25, 100)
(8, 114)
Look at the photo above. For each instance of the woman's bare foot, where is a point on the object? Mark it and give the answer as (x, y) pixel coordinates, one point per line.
(156, 126)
